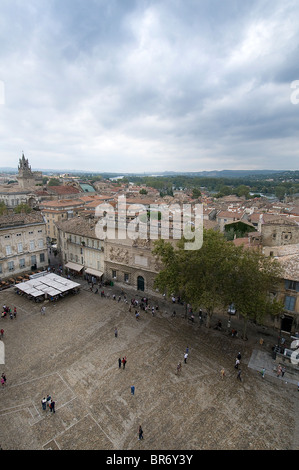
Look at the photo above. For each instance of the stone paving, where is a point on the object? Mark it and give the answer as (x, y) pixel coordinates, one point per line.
(72, 354)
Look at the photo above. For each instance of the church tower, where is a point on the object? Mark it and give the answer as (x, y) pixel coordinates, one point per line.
(26, 178)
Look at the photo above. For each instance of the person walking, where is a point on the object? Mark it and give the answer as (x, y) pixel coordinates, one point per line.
(283, 369)
(239, 375)
(185, 358)
(43, 310)
(15, 312)
(124, 361)
(3, 377)
(115, 332)
(119, 362)
(263, 371)
(237, 363)
(44, 403)
(1, 332)
(178, 368)
(132, 390)
(222, 373)
(140, 433)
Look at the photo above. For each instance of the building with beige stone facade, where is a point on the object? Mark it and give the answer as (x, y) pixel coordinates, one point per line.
(59, 210)
(127, 261)
(288, 293)
(23, 246)
(279, 231)
(82, 252)
(131, 262)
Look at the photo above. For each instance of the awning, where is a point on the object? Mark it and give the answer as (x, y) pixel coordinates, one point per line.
(94, 272)
(50, 284)
(74, 266)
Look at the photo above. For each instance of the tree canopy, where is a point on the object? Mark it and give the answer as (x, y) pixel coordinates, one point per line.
(217, 275)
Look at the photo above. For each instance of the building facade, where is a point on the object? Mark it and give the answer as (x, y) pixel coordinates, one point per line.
(288, 294)
(278, 232)
(125, 261)
(23, 246)
(130, 262)
(82, 252)
(59, 210)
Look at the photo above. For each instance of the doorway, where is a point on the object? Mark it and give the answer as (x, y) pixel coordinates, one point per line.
(140, 283)
(286, 323)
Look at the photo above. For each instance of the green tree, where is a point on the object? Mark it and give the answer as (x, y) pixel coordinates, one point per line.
(197, 276)
(3, 208)
(54, 182)
(249, 285)
(22, 208)
(219, 274)
(280, 192)
(196, 193)
(242, 190)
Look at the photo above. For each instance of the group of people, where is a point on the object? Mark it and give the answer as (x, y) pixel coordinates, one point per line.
(237, 364)
(237, 367)
(179, 366)
(7, 311)
(122, 362)
(48, 403)
(280, 370)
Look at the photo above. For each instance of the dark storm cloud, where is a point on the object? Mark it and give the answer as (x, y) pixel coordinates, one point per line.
(149, 85)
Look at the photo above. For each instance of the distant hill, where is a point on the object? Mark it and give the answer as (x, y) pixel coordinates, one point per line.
(205, 173)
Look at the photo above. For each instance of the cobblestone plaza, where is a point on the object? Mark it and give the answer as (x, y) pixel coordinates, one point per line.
(71, 353)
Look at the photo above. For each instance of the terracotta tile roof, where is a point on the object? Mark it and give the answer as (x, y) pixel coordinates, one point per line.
(63, 190)
(82, 226)
(20, 219)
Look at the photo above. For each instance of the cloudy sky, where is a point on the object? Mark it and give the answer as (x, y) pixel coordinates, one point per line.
(145, 85)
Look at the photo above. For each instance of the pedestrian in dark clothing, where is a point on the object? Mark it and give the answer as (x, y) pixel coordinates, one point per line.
(44, 403)
(124, 361)
(115, 332)
(119, 362)
(132, 390)
(140, 432)
(52, 406)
